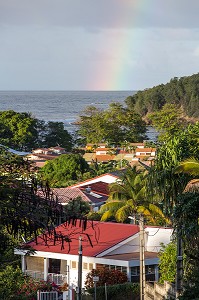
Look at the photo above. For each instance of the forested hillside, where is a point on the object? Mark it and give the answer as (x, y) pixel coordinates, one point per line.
(183, 91)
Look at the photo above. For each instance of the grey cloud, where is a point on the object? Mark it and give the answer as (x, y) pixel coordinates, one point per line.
(93, 14)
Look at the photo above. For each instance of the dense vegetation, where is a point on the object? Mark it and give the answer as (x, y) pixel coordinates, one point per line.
(64, 170)
(113, 126)
(184, 92)
(22, 131)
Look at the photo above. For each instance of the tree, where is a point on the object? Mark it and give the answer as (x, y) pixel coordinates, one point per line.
(56, 135)
(64, 169)
(24, 132)
(18, 130)
(128, 198)
(167, 121)
(114, 125)
(77, 208)
(182, 92)
(163, 180)
(167, 264)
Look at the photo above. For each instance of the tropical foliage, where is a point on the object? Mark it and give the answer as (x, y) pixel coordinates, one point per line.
(128, 198)
(64, 170)
(22, 131)
(114, 125)
(167, 264)
(182, 92)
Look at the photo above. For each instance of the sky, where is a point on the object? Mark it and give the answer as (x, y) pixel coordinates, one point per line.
(96, 45)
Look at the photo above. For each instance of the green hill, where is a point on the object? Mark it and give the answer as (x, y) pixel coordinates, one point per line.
(183, 91)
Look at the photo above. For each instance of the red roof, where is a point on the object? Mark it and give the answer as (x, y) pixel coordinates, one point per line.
(97, 187)
(103, 236)
(67, 194)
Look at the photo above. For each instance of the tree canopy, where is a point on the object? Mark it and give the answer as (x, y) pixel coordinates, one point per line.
(114, 125)
(22, 131)
(64, 170)
(183, 92)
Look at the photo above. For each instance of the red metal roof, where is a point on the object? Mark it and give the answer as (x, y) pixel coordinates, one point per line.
(103, 236)
(97, 187)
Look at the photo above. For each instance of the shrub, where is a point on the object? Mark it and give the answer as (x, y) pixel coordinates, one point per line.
(105, 276)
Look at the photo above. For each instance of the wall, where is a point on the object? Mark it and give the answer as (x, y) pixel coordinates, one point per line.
(157, 235)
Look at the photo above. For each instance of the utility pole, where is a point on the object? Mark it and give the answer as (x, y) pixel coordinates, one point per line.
(142, 256)
(179, 273)
(79, 288)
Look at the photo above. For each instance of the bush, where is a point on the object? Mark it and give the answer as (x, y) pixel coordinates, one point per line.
(14, 285)
(105, 276)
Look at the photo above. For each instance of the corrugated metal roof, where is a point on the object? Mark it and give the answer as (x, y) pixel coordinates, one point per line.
(103, 236)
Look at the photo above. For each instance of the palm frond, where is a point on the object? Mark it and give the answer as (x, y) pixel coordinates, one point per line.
(190, 166)
(107, 215)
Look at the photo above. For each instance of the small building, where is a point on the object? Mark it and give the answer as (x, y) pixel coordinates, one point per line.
(147, 152)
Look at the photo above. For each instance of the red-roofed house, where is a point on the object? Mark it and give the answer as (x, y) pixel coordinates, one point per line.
(111, 245)
(95, 197)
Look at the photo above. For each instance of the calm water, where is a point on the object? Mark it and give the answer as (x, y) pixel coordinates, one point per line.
(62, 106)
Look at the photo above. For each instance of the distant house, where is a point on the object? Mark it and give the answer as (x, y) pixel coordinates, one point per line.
(91, 147)
(95, 194)
(107, 178)
(137, 145)
(147, 152)
(58, 150)
(104, 244)
(40, 155)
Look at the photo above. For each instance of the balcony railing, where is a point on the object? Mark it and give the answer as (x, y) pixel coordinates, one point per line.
(58, 279)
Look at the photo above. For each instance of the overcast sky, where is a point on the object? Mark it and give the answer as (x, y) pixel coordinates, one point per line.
(96, 45)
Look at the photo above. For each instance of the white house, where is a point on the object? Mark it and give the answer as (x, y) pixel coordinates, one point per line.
(111, 245)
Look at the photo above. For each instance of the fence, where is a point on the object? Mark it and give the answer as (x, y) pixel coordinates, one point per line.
(53, 295)
(58, 279)
(47, 295)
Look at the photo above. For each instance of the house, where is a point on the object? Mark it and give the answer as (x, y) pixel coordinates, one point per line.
(104, 244)
(58, 150)
(107, 178)
(40, 155)
(145, 152)
(91, 147)
(95, 194)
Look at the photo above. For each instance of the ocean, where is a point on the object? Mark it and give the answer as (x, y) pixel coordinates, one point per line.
(62, 106)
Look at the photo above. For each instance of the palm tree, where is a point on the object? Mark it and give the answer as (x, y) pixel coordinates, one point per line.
(128, 198)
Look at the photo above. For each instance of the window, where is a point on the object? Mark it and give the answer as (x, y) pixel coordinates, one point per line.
(90, 266)
(85, 266)
(74, 265)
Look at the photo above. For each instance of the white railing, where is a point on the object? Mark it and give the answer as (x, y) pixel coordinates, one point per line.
(47, 295)
(35, 274)
(58, 279)
(53, 295)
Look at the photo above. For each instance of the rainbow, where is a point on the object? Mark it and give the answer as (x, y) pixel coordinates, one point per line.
(114, 69)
